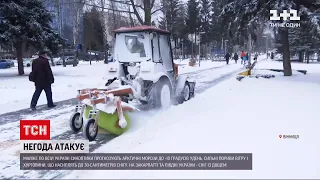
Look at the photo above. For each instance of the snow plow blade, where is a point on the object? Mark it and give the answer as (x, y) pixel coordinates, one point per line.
(110, 122)
(102, 109)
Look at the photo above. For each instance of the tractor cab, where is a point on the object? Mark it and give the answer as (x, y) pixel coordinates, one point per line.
(144, 50)
(143, 60)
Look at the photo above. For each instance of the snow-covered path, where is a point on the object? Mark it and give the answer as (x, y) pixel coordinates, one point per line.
(234, 117)
(9, 129)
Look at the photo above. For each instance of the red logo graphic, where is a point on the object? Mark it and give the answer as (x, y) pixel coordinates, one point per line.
(280, 136)
(34, 129)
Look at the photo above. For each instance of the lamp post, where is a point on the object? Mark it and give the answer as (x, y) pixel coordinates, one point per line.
(199, 44)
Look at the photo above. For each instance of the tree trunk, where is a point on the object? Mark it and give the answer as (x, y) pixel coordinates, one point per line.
(76, 32)
(115, 25)
(195, 43)
(300, 56)
(18, 47)
(249, 47)
(105, 34)
(192, 53)
(307, 56)
(285, 50)
(51, 59)
(147, 12)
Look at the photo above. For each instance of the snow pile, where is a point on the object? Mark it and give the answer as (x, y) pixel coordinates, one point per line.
(235, 117)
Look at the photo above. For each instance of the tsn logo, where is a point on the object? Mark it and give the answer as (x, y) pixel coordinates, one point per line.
(34, 129)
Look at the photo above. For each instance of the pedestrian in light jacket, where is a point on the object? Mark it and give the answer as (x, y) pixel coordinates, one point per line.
(243, 55)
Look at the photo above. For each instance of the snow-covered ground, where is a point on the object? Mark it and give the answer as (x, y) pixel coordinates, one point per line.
(16, 91)
(68, 80)
(234, 117)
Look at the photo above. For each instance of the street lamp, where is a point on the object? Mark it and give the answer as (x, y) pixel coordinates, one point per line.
(199, 44)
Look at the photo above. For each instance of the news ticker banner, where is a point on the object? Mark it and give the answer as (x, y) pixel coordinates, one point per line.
(136, 161)
(54, 146)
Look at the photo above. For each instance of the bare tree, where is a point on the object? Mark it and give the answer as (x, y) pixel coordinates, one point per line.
(146, 7)
(149, 7)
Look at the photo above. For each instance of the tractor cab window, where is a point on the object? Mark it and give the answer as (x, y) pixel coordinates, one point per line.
(135, 44)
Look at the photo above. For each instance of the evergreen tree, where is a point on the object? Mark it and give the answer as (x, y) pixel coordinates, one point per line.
(192, 19)
(170, 10)
(93, 31)
(217, 30)
(181, 27)
(25, 21)
(174, 19)
(205, 20)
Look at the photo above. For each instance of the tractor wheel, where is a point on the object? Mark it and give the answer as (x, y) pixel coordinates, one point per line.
(90, 132)
(185, 95)
(161, 94)
(76, 122)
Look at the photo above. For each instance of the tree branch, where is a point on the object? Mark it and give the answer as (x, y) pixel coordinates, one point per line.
(136, 12)
(152, 3)
(127, 3)
(160, 9)
(110, 9)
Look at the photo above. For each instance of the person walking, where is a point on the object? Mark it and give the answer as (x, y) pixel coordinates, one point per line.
(235, 57)
(243, 55)
(227, 57)
(42, 77)
(256, 57)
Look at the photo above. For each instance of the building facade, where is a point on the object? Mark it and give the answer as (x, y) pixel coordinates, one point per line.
(67, 19)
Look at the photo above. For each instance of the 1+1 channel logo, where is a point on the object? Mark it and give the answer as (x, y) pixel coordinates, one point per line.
(34, 129)
(292, 15)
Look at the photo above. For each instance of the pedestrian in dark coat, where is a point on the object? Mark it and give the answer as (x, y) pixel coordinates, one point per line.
(256, 57)
(236, 57)
(42, 77)
(227, 57)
